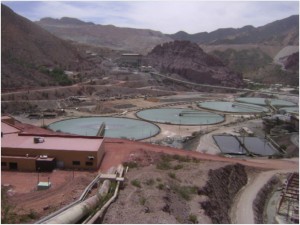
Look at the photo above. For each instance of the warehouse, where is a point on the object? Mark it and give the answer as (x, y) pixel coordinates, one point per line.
(131, 59)
(33, 152)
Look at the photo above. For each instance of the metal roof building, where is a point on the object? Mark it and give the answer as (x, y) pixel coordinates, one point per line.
(44, 152)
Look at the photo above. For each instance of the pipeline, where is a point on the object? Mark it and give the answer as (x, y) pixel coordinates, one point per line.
(101, 131)
(93, 218)
(75, 213)
(81, 198)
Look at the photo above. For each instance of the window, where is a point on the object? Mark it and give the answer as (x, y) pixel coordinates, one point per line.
(88, 163)
(13, 166)
(3, 164)
(76, 163)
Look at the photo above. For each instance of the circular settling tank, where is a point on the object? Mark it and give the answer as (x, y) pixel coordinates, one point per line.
(263, 101)
(180, 116)
(114, 127)
(290, 109)
(233, 107)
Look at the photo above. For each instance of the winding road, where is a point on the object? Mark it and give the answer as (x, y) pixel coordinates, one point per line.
(242, 209)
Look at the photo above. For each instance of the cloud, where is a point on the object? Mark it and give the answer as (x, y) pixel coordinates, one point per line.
(165, 16)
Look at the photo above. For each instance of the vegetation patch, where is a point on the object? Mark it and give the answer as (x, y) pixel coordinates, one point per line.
(59, 76)
(178, 167)
(182, 158)
(160, 186)
(185, 191)
(142, 200)
(172, 175)
(136, 183)
(150, 182)
(130, 164)
(193, 218)
(163, 165)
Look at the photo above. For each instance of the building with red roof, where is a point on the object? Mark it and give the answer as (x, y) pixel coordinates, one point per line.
(44, 152)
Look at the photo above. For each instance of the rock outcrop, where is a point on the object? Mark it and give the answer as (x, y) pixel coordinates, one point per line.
(221, 188)
(188, 60)
(292, 62)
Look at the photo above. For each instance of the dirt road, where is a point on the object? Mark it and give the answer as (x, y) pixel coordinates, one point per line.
(242, 209)
(117, 150)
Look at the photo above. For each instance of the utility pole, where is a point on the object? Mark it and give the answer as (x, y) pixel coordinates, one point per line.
(38, 181)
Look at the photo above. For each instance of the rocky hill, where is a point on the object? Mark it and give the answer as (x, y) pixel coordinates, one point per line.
(128, 39)
(27, 50)
(280, 32)
(292, 62)
(188, 60)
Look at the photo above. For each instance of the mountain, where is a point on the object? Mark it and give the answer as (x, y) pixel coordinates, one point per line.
(127, 39)
(280, 32)
(189, 61)
(26, 51)
(64, 21)
(209, 38)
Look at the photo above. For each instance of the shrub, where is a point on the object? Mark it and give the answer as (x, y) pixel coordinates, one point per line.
(163, 165)
(161, 186)
(178, 167)
(166, 158)
(143, 200)
(136, 183)
(195, 160)
(193, 218)
(182, 158)
(150, 182)
(172, 175)
(130, 164)
(32, 214)
(185, 191)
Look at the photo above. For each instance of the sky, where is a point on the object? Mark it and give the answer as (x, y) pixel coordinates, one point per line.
(165, 16)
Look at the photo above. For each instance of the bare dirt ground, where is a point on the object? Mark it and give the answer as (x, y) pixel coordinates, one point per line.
(25, 199)
(242, 202)
(117, 150)
(159, 198)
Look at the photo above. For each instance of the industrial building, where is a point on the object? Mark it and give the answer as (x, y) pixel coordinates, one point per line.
(131, 60)
(44, 152)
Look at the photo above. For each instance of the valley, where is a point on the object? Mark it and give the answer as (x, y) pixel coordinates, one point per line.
(126, 125)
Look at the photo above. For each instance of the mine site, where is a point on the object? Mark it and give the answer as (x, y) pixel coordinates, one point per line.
(118, 125)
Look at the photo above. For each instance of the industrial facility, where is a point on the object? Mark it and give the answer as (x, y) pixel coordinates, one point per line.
(131, 60)
(44, 152)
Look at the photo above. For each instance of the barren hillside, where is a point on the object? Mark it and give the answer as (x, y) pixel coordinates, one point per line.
(27, 49)
(129, 39)
(191, 62)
